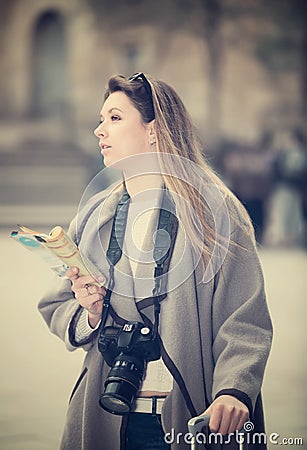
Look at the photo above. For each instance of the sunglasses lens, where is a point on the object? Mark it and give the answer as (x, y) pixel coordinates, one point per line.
(135, 76)
(140, 76)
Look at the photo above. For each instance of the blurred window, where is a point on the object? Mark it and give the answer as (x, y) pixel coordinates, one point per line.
(49, 65)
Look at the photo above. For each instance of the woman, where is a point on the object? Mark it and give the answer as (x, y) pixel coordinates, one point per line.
(214, 330)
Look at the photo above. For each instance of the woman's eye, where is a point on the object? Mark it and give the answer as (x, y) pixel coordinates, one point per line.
(115, 118)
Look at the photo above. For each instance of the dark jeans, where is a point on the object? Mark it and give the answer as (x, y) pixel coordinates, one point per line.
(144, 432)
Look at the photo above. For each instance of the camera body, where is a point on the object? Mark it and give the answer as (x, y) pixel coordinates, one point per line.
(126, 350)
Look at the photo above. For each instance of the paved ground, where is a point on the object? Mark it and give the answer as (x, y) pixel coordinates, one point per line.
(37, 373)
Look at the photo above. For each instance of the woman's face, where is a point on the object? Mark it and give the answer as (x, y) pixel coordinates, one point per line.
(121, 132)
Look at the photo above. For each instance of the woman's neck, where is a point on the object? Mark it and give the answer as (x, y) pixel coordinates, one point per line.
(142, 187)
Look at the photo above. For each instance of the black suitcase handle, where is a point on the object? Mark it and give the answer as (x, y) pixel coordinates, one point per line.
(196, 425)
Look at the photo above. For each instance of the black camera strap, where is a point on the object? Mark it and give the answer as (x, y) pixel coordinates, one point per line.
(163, 245)
(114, 252)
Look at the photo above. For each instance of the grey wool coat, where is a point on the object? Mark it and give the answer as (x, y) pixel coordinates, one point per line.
(215, 332)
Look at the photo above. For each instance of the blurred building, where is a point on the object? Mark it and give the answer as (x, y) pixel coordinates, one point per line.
(237, 69)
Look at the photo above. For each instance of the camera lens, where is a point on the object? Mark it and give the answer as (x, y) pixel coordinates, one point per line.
(122, 384)
(118, 397)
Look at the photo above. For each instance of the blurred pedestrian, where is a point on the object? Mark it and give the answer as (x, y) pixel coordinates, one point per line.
(285, 211)
(248, 172)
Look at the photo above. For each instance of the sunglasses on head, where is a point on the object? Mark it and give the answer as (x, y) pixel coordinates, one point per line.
(140, 76)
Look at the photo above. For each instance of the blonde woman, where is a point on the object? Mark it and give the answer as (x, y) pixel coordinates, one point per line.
(166, 337)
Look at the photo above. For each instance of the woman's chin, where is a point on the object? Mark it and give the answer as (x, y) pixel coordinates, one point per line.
(113, 163)
(107, 159)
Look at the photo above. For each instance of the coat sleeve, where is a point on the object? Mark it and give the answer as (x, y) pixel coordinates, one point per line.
(242, 328)
(61, 310)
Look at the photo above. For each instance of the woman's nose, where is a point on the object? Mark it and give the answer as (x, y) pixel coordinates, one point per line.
(99, 131)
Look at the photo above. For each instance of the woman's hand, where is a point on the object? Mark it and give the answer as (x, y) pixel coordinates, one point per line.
(88, 295)
(227, 414)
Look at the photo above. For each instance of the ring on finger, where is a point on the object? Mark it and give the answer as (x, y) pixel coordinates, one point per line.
(87, 287)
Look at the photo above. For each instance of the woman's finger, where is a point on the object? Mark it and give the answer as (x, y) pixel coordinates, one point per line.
(93, 289)
(95, 307)
(235, 421)
(72, 273)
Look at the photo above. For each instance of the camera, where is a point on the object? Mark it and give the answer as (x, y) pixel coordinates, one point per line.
(126, 350)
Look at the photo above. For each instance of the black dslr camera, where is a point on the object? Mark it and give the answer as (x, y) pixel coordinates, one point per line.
(127, 351)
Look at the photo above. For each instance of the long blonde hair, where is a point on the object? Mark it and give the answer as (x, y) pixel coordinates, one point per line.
(183, 165)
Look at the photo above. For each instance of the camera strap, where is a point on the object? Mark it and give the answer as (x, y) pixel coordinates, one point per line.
(163, 246)
(114, 252)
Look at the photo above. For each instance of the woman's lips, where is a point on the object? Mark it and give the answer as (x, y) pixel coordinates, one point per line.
(104, 147)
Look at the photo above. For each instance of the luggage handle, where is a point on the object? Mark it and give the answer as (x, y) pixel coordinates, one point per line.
(196, 424)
